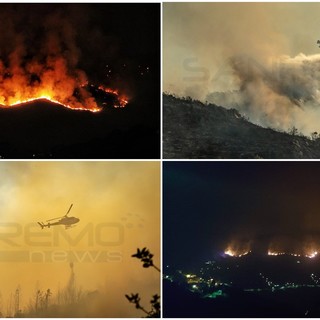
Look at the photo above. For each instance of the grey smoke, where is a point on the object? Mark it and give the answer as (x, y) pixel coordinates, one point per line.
(258, 56)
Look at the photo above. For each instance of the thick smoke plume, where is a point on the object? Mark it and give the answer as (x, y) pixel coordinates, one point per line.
(282, 95)
(40, 53)
(247, 56)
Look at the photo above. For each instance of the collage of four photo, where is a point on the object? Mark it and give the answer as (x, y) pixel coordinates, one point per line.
(159, 160)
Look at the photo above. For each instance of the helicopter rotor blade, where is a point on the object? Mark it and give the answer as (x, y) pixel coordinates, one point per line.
(69, 209)
(62, 216)
(54, 219)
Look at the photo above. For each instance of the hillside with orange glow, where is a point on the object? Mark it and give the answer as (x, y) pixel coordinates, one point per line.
(88, 60)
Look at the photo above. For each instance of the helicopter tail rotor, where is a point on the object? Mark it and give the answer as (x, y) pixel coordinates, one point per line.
(41, 225)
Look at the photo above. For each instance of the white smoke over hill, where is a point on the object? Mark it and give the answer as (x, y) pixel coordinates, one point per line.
(251, 56)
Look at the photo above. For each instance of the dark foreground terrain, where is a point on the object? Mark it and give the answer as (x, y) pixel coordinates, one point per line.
(248, 286)
(180, 303)
(43, 130)
(194, 130)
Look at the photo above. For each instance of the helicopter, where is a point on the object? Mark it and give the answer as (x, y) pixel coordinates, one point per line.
(68, 222)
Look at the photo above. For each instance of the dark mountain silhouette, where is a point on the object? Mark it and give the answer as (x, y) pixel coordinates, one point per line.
(42, 129)
(192, 129)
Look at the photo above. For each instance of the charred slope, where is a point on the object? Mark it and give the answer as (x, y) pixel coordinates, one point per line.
(43, 129)
(193, 130)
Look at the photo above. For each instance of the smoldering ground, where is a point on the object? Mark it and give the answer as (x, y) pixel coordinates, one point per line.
(255, 57)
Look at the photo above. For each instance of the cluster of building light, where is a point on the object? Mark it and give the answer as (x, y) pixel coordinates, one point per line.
(314, 278)
(207, 281)
(268, 282)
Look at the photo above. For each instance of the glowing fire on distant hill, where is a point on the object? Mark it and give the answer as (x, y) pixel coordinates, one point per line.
(123, 100)
(44, 97)
(43, 63)
(88, 104)
(307, 254)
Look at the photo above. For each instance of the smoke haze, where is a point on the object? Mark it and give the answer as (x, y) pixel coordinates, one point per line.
(118, 206)
(261, 58)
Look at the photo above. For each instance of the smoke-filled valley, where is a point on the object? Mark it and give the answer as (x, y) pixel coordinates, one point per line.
(254, 57)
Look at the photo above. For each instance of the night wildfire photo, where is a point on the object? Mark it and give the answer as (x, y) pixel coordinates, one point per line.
(241, 239)
(80, 81)
(80, 239)
(242, 79)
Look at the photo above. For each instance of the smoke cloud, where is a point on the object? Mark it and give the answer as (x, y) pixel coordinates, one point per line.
(118, 204)
(40, 54)
(47, 50)
(251, 56)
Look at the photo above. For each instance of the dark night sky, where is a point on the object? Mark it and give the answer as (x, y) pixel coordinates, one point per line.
(90, 37)
(208, 204)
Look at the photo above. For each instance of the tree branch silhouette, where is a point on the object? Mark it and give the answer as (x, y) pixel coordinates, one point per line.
(146, 257)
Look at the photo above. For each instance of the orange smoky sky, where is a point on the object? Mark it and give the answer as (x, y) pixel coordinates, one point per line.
(118, 204)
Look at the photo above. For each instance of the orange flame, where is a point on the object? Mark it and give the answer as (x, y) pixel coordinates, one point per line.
(123, 101)
(233, 253)
(48, 67)
(310, 255)
(52, 81)
(20, 102)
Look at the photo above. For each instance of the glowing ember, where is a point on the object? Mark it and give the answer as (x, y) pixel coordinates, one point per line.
(123, 101)
(272, 253)
(311, 255)
(120, 101)
(232, 253)
(19, 102)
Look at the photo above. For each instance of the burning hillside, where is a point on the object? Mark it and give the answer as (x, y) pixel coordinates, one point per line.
(101, 97)
(40, 58)
(57, 59)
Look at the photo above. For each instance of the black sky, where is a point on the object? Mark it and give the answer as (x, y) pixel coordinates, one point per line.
(208, 204)
(103, 33)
